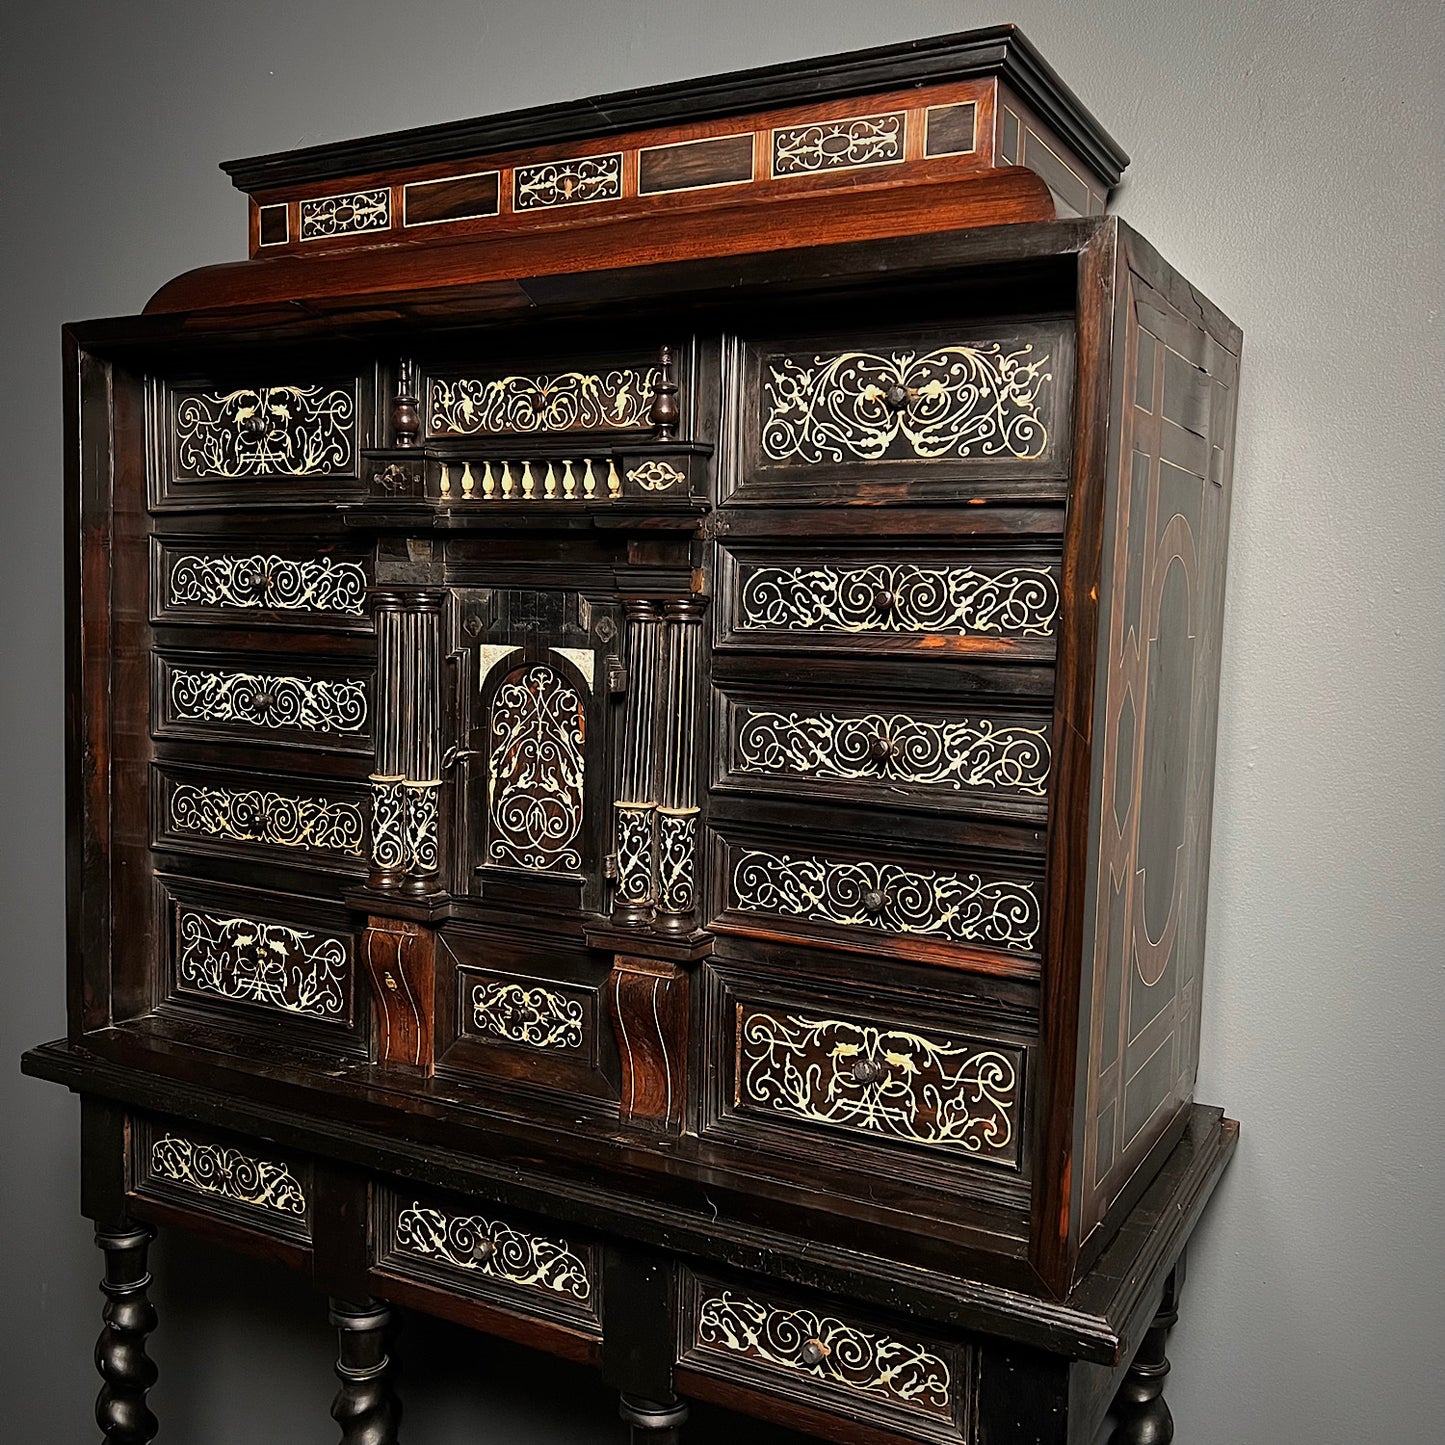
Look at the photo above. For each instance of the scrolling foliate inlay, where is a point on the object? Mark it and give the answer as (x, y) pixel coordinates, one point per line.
(962, 907)
(533, 1017)
(830, 145)
(955, 401)
(212, 1169)
(616, 400)
(827, 1349)
(268, 583)
(1010, 602)
(292, 969)
(256, 815)
(896, 1083)
(347, 215)
(494, 1249)
(268, 700)
(267, 431)
(892, 747)
(535, 773)
(567, 183)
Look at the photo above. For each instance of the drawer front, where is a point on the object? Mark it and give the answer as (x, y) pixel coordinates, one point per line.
(527, 1267)
(909, 415)
(919, 757)
(931, 605)
(295, 822)
(323, 706)
(828, 894)
(809, 1350)
(259, 961)
(256, 583)
(815, 1070)
(238, 1181)
(263, 441)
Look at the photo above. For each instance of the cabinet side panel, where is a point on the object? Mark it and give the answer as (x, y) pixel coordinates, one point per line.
(1156, 709)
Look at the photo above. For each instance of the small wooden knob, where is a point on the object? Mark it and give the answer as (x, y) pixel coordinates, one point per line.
(874, 899)
(883, 600)
(814, 1352)
(881, 748)
(253, 427)
(898, 396)
(867, 1071)
(482, 1251)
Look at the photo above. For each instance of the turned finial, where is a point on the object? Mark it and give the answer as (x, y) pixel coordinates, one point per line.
(405, 410)
(663, 413)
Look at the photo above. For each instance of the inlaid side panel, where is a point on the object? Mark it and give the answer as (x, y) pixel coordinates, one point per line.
(847, 143)
(602, 396)
(1160, 628)
(883, 1374)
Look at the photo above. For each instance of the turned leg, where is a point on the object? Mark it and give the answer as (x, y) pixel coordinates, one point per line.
(366, 1407)
(120, 1352)
(1141, 1414)
(653, 1422)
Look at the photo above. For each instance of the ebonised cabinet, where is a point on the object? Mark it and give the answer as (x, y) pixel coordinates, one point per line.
(643, 682)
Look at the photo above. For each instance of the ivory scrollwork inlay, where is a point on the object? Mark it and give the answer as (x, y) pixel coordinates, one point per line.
(676, 851)
(568, 183)
(944, 1093)
(257, 815)
(268, 583)
(1011, 602)
(346, 215)
(954, 401)
(862, 140)
(213, 1169)
(636, 825)
(495, 1249)
(532, 1016)
(957, 753)
(827, 1349)
(536, 772)
(655, 475)
(964, 907)
(269, 700)
(296, 970)
(616, 400)
(265, 431)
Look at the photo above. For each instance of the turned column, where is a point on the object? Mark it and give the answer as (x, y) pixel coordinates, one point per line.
(120, 1352)
(406, 784)
(677, 810)
(1140, 1411)
(635, 812)
(366, 1406)
(653, 1422)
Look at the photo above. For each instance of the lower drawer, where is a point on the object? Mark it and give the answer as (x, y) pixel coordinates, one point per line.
(526, 1268)
(242, 1182)
(831, 1361)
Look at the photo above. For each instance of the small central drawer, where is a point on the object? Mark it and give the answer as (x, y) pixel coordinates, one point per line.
(837, 1361)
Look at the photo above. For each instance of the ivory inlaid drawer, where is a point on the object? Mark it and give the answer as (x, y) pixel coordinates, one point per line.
(978, 756)
(909, 415)
(918, 603)
(882, 900)
(272, 440)
(833, 1359)
(242, 1181)
(526, 1266)
(825, 1070)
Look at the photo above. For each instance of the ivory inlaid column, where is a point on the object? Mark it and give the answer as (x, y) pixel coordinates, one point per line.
(406, 783)
(677, 812)
(635, 811)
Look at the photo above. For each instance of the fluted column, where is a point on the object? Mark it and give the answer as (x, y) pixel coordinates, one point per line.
(406, 784)
(635, 812)
(677, 812)
(120, 1353)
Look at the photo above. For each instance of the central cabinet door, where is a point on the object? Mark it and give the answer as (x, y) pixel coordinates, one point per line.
(532, 668)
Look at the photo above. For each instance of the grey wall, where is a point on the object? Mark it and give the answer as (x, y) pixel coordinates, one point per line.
(1287, 157)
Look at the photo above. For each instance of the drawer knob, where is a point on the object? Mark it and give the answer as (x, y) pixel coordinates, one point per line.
(483, 1251)
(874, 900)
(882, 748)
(898, 396)
(883, 600)
(867, 1071)
(814, 1352)
(253, 427)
